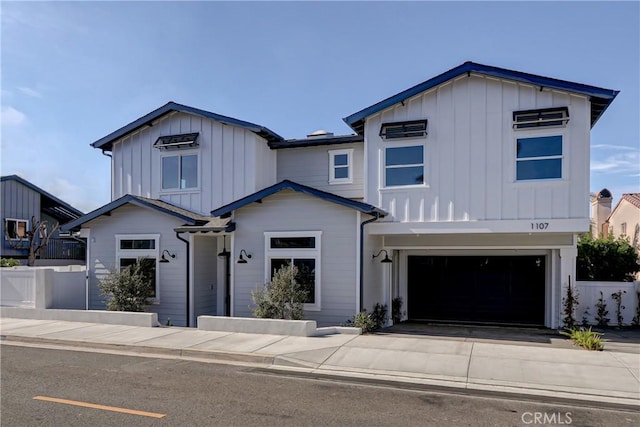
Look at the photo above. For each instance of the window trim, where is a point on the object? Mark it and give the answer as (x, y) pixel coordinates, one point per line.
(315, 253)
(180, 154)
(540, 122)
(140, 253)
(385, 167)
(17, 220)
(349, 166)
(534, 134)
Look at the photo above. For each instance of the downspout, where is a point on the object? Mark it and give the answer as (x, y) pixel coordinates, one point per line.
(188, 293)
(375, 218)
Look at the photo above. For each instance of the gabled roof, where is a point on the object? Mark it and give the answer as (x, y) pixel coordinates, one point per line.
(313, 142)
(49, 203)
(190, 218)
(600, 98)
(105, 142)
(632, 198)
(290, 185)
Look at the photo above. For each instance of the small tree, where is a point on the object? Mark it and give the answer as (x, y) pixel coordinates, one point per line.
(569, 302)
(35, 240)
(130, 288)
(606, 259)
(283, 297)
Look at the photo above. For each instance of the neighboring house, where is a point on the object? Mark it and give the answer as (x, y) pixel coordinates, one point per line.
(470, 187)
(624, 220)
(21, 202)
(600, 211)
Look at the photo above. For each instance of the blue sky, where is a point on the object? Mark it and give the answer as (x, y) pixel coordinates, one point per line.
(74, 72)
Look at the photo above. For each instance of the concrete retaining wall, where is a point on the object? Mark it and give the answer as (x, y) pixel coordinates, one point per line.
(589, 293)
(301, 328)
(87, 316)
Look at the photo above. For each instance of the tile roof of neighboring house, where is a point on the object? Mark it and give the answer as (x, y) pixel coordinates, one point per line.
(290, 185)
(50, 204)
(106, 142)
(190, 218)
(633, 198)
(600, 98)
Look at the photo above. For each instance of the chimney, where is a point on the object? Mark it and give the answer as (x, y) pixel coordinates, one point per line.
(600, 211)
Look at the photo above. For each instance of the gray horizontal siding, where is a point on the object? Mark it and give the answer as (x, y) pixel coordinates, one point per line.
(291, 211)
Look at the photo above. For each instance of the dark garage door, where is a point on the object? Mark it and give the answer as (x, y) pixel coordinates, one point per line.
(493, 289)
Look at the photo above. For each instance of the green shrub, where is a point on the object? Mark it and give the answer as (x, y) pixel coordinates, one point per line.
(9, 262)
(379, 315)
(636, 318)
(396, 310)
(617, 297)
(585, 338)
(282, 298)
(131, 288)
(606, 259)
(601, 311)
(362, 320)
(569, 303)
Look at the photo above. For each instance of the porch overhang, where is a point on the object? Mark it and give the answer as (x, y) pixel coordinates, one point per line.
(217, 225)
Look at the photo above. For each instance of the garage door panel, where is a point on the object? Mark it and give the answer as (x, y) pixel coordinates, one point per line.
(499, 289)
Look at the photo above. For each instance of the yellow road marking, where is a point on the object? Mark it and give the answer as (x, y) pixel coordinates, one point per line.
(103, 407)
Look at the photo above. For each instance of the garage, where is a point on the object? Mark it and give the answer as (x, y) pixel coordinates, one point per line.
(482, 289)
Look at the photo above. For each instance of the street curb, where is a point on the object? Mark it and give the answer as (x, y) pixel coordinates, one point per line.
(214, 355)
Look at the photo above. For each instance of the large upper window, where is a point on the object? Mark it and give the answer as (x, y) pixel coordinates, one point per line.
(15, 228)
(130, 248)
(547, 117)
(180, 172)
(340, 166)
(301, 249)
(539, 158)
(404, 166)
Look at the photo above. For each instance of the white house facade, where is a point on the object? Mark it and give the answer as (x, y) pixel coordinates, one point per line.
(474, 184)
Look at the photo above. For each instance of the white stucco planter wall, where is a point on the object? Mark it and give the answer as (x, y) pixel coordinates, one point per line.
(87, 316)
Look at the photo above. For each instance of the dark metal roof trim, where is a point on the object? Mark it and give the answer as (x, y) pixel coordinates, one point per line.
(54, 206)
(290, 185)
(600, 97)
(190, 218)
(314, 142)
(146, 120)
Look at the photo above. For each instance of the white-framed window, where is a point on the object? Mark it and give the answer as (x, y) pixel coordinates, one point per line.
(302, 249)
(539, 158)
(341, 166)
(131, 247)
(15, 229)
(404, 166)
(179, 171)
(623, 228)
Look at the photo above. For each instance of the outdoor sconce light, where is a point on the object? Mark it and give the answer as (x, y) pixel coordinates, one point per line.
(241, 260)
(163, 259)
(225, 252)
(386, 259)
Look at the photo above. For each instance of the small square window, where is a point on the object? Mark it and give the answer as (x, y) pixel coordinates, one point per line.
(15, 229)
(340, 166)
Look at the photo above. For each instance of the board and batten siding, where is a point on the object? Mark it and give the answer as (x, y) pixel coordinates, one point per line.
(172, 275)
(470, 155)
(293, 211)
(18, 202)
(232, 163)
(310, 166)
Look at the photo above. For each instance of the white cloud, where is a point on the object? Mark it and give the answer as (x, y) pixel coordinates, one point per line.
(613, 147)
(9, 116)
(30, 92)
(624, 162)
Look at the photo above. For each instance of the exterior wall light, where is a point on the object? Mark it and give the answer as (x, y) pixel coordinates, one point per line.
(163, 259)
(241, 259)
(386, 259)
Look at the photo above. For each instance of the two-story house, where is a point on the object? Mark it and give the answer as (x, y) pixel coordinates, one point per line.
(462, 195)
(24, 202)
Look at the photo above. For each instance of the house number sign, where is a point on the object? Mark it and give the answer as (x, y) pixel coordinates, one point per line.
(539, 225)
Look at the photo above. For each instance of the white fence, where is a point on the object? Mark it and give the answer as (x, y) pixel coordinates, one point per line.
(589, 294)
(43, 287)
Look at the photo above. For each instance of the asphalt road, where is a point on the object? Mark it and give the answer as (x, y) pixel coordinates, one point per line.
(188, 393)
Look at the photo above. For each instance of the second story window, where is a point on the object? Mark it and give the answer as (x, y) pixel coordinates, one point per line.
(539, 158)
(404, 166)
(15, 229)
(180, 172)
(340, 166)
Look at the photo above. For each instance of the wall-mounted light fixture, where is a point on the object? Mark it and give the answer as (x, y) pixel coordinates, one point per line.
(386, 259)
(163, 259)
(225, 252)
(241, 259)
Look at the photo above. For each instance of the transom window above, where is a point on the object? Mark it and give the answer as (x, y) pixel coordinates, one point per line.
(547, 117)
(539, 158)
(174, 142)
(137, 243)
(408, 129)
(404, 166)
(340, 166)
(293, 243)
(180, 172)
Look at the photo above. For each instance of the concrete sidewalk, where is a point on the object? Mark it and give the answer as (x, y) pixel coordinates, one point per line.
(564, 373)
